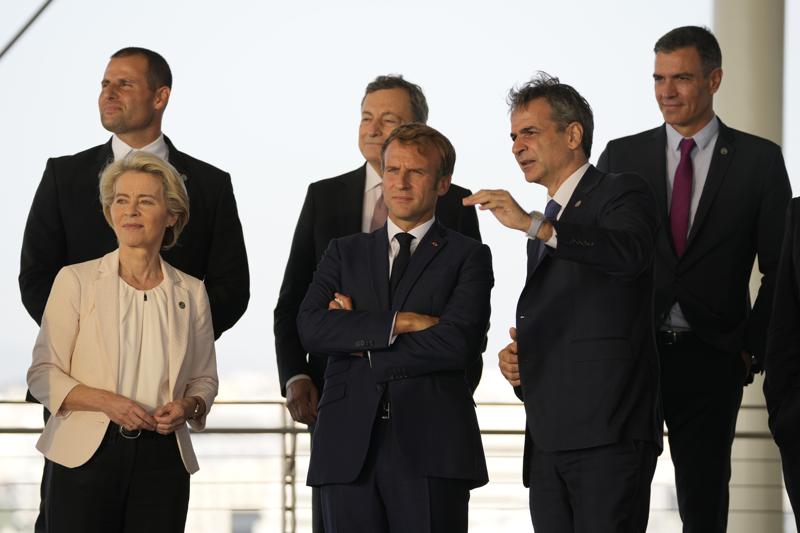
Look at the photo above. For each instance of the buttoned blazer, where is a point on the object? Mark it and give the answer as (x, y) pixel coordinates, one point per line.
(432, 412)
(587, 355)
(66, 226)
(740, 215)
(782, 364)
(78, 343)
(333, 208)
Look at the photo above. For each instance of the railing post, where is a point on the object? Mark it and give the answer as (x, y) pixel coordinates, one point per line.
(289, 450)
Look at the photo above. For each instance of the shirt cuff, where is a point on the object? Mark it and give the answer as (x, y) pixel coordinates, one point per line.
(297, 377)
(552, 242)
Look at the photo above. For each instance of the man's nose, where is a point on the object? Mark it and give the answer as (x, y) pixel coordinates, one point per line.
(108, 92)
(405, 180)
(517, 147)
(375, 129)
(668, 89)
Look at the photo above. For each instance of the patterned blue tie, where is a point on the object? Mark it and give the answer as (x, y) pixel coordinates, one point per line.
(550, 213)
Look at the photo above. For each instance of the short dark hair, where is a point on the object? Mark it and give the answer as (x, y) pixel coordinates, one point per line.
(422, 136)
(698, 37)
(158, 72)
(419, 105)
(566, 104)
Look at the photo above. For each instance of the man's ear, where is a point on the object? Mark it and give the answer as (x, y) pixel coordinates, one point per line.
(575, 135)
(714, 80)
(161, 97)
(443, 185)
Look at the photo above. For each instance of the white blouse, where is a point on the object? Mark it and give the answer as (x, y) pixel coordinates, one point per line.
(143, 352)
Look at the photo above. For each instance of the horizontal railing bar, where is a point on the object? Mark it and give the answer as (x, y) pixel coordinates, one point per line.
(750, 435)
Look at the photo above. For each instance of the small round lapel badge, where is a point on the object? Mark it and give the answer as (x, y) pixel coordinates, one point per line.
(181, 305)
(723, 151)
(434, 243)
(578, 203)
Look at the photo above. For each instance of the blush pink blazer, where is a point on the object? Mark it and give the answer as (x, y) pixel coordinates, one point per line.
(78, 343)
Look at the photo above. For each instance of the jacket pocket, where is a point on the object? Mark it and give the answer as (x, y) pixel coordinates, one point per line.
(332, 394)
(600, 349)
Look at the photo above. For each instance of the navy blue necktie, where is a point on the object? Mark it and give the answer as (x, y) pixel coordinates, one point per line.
(550, 213)
(401, 261)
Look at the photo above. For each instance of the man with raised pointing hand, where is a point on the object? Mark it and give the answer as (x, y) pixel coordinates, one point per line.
(582, 356)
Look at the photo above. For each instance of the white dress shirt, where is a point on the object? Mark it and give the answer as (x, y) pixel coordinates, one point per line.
(158, 148)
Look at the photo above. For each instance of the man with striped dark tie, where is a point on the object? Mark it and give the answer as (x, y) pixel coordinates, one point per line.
(722, 195)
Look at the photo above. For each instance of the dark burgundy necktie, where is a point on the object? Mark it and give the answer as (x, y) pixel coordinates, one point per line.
(681, 198)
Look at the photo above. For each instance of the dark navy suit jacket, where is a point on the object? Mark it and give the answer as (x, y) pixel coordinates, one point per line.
(333, 208)
(433, 415)
(740, 215)
(587, 354)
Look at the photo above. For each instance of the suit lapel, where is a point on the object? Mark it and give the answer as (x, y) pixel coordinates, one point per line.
(656, 169)
(178, 313)
(352, 195)
(432, 243)
(105, 156)
(655, 172)
(106, 302)
(178, 160)
(720, 161)
(579, 197)
(378, 254)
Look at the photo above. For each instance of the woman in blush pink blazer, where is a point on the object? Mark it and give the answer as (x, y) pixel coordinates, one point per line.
(124, 360)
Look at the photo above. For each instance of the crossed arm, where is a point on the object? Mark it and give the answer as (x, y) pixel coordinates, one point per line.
(424, 343)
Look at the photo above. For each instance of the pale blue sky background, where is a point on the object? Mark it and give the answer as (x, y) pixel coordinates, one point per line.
(270, 92)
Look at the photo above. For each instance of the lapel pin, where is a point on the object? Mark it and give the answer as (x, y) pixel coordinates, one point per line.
(181, 305)
(578, 203)
(434, 243)
(184, 178)
(723, 151)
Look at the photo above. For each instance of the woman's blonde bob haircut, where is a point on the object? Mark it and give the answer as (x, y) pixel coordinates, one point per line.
(175, 195)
